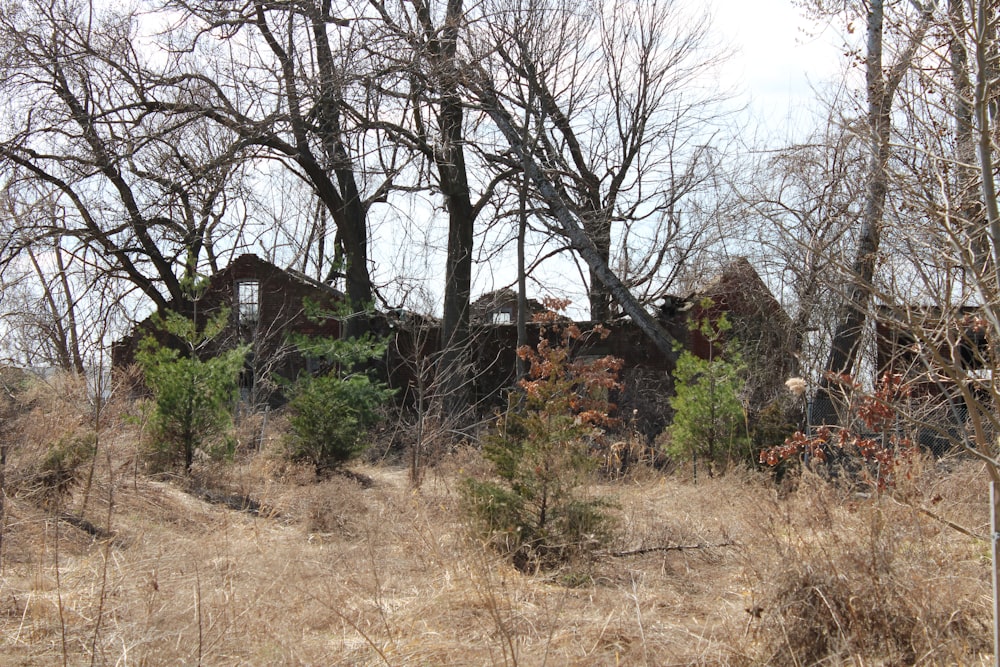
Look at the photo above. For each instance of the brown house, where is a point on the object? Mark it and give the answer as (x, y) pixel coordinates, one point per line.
(759, 323)
(908, 346)
(266, 305)
(500, 307)
(933, 350)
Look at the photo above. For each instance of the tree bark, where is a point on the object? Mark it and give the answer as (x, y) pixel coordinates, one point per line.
(334, 183)
(881, 89)
(449, 157)
(970, 208)
(352, 221)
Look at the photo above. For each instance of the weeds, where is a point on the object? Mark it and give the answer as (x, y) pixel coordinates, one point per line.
(857, 581)
(339, 574)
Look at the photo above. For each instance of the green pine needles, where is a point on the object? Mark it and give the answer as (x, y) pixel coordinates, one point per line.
(543, 453)
(332, 413)
(193, 398)
(709, 418)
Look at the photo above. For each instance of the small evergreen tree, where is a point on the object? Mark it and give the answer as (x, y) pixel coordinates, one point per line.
(331, 413)
(193, 398)
(541, 451)
(709, 419)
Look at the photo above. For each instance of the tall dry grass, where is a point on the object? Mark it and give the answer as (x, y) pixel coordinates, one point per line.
(336, 572)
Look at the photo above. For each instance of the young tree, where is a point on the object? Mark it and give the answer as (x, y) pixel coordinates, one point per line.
(193, 398)
(541, 453)
(331, 413)
(709, 419)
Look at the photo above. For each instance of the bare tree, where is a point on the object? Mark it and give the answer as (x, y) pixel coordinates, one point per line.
(801, 204)
(420, 46)
(937, 322)
(619, 116)
(145, 195)
(568, 221)
(292, 107)
(882, 81)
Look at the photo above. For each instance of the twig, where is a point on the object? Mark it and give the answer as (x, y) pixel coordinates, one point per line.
(667, 547)
(937, 517)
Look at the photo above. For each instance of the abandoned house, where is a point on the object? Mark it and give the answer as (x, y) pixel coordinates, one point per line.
(931, 349)
(500, 307)
(758, 321)
(941, 355)
(267, 304)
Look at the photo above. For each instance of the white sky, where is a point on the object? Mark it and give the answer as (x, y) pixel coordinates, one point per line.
(780, 55)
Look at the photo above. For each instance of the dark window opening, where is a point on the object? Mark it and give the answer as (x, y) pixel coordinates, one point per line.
(247, 301)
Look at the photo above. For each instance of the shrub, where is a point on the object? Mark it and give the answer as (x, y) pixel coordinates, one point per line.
(331, 414)
(841, 580)
(541, 453)
(193, 398)
(871, 448)
(709, 419)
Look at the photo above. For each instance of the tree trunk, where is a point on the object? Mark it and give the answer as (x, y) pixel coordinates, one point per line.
(970, 206)
(881, 88)
(350, 213)
(454, 370)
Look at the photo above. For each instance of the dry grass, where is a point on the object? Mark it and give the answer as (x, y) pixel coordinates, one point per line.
(333, 573)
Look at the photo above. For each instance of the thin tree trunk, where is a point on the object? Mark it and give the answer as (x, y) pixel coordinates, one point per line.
(881, 89)
(983, 98)
(522, 229)
(73, 339)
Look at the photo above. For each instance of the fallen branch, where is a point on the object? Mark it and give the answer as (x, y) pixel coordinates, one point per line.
(234, 501)
(82, 524)
(668, 547)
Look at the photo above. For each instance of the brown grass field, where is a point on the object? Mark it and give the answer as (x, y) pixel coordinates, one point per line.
(331, 573)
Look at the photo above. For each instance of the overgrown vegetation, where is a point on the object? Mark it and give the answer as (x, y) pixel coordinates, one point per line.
(331, 413)
(709, 421)
(871, 447)
(815, 573)
(193, 397)
(538, 510)
(840, 579)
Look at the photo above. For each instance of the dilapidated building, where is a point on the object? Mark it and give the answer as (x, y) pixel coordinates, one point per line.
(266, 305)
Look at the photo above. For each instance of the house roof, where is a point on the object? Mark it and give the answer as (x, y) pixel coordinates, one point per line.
(482, 309)
(250, 265)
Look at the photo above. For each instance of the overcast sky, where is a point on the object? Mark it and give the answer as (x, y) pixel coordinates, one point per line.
(779, 57)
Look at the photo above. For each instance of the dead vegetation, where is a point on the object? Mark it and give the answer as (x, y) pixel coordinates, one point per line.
(334, 573)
